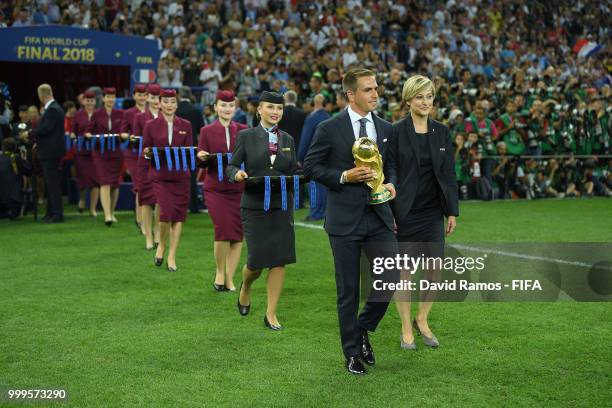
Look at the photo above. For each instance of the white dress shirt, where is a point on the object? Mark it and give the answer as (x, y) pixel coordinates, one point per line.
(48, 103)
(170, 124)
(370, 128)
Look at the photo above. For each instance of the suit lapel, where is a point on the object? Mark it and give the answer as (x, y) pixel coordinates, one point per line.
(412, 141)
(263, 141)
(347, 128)
(432, 140)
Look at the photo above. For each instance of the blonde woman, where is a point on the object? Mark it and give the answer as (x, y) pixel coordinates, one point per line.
(421, 166)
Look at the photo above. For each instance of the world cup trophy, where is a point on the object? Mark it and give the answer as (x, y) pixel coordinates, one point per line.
(366, 154)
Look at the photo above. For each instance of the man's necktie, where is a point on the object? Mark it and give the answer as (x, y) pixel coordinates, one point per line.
(362, 128)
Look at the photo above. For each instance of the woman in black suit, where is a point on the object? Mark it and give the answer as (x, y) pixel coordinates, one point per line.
(420, 164)
(265, 150)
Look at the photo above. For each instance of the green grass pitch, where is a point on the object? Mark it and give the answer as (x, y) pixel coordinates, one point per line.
(84, 309)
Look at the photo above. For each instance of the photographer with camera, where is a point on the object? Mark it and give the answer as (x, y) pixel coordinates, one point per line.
(535, 129)
(598, 127)
(551, 127)
(13, 166)
(487, 136)
(508, 130)
(462, 167)
(6, 115)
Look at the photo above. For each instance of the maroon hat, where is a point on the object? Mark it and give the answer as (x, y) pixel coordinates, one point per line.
(226, 96)
(154, 89)
(109, 91)
(89, 94)
(168, 93)
(140, 88)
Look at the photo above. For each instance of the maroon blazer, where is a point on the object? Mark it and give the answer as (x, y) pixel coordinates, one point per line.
(140, 120)
(99, 125)
(156, 135)
(80, 122)
(212, 140)
(127, 122)
(99, 122)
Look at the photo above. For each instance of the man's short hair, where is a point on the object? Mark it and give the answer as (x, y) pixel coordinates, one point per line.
(291, 97)
(349, 82)
(45, 90)
(185, 93)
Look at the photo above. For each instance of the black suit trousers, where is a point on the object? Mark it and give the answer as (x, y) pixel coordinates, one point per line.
(53, 186)
(347, 254)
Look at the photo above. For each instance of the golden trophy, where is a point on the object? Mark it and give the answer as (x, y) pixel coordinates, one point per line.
(366, 154)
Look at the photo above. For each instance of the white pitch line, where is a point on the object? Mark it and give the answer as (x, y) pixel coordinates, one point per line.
(493, 251)
(527, 257)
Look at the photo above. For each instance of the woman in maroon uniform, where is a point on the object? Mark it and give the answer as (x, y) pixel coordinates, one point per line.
(130, 155)
(107, 120)
(171, 187)
(146, 198)
(86, 175)
(223, 197)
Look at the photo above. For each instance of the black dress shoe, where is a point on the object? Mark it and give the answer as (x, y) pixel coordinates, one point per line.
(367, 354)
(218, 288)
(355, 366)
(270, 325)
(243, 310)
(158, 261)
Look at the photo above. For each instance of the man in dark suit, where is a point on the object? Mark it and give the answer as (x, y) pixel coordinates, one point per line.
(318, 115)
(50, 147)
(293, 118)
(350, 221)
(187, 110)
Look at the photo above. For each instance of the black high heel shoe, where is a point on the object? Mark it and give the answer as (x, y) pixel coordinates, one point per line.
(108, 223)
(218, 288)
(243, 310)
(158, 261)
(270, 325)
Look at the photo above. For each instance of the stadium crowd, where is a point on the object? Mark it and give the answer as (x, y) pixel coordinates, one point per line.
(524, 86)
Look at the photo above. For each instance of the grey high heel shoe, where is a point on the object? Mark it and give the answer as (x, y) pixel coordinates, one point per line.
(429, 341)
(407, 346)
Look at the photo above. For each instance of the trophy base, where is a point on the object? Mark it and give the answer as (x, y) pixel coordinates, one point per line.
(380, 197)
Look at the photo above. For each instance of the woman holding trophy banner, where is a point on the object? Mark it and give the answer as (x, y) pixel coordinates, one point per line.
(265, 150)
(171, 187)
(420, 164)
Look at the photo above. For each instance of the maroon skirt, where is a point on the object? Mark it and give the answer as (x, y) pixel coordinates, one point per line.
(224, 209)
(172, 196)
(108, 167)
(131, 161)
(146, 196)
(86, 173)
